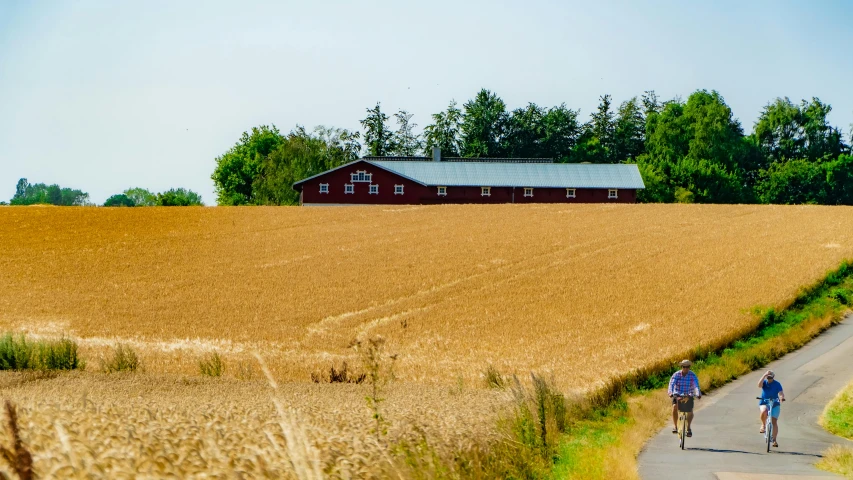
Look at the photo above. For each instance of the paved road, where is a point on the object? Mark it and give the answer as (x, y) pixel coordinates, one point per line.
(726, 444)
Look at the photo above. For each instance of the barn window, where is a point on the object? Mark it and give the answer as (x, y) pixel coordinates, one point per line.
(442, 191)
(324, 188)
(485, 191)
(398, 189)
(349, 188)
(612, 193)
(361, 176)
(374, 190)
(528, 192)
(571, 192)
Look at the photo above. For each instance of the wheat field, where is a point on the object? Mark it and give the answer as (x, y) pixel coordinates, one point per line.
(581, 293)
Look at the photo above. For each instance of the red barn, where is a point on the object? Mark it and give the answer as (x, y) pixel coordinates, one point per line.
(424, 180)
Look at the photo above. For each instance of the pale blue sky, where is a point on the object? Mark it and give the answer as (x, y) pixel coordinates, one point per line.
(106, 95)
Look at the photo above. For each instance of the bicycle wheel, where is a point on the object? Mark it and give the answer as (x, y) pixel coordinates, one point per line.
(769, 434)
(683, 436)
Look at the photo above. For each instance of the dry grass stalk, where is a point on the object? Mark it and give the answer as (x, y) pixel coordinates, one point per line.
(17, 457)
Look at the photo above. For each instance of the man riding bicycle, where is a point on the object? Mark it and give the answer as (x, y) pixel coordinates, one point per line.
(683, 386)
(770, 390)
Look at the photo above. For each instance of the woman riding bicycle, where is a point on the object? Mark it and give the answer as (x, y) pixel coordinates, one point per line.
(770, 390)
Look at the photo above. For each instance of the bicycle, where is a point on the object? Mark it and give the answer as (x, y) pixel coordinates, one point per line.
(768, 424)
(682, 420)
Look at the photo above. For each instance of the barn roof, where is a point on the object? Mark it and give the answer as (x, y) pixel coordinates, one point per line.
(502, 174)
(506, 174)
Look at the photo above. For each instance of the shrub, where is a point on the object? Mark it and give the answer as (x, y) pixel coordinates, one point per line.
(18, 353)
(341, 375)
(124, 359)
(211, 365)
(57, 355)
(119, 200)
(15, 353)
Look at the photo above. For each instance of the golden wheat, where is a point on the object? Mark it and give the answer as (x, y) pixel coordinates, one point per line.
(582, 292)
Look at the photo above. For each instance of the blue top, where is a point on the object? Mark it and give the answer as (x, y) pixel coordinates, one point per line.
(770, 390)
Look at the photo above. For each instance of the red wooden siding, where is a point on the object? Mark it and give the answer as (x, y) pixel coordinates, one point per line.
(415, 193)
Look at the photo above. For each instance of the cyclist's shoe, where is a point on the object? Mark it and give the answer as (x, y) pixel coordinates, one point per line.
(762, 430)
(689, 432)
(675, 431)
(775, 444)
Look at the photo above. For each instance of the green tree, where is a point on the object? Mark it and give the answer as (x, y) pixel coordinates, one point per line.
(237, 169)
(629, 132)
(141, 197)
(793, 182)
(39, 193)
(406, 142)
(302, 155)
(839, 179)
(119, 200)
(658, 189)
(482, 127)
(560, 132)
(524, 132)
(378, 138)
(179, 197)
(699, 146)
(597, 139)
(785, 131)
(444, 132)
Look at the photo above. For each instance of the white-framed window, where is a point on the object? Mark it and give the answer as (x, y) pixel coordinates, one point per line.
(361, 176)
(485, 191)
(398, 189)
(571, 192)
(612, 193)
(374, 189)
(528, 192)
(324, 188)
(349, 188)
(442, 191)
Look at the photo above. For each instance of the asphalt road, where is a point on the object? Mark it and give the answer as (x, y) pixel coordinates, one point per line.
(726, 444)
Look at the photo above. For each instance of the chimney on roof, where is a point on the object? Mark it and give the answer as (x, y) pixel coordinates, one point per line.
(436, 154)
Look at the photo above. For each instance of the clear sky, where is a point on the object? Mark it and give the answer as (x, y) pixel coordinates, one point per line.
(106, 95)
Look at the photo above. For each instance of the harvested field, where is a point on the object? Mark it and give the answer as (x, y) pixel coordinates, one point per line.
(580, 293)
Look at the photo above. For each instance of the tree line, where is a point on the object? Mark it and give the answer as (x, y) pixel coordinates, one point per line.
(687, 151)
(41, 194)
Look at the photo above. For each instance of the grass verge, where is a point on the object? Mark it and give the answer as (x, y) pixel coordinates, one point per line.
(605, 443)
(837, 418)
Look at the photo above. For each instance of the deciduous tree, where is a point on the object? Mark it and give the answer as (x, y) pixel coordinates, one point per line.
(444, 132)
(378, 138)
(483, 122)
(237, 169)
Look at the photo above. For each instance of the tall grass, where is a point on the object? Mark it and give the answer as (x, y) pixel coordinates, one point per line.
(211, 365)
(123, 359)
(20, 353)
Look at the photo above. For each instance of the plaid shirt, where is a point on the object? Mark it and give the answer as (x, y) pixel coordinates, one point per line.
(684, 384)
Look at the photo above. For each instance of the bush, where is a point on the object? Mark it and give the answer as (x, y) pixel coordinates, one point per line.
(57, 355)
(179, 197)
(15, 353)
(211, 365)
(124, 359)
(18, 353)
(339, 375)
(119, 200)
